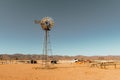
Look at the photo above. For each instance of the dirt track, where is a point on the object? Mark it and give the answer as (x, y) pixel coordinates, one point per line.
(62, 72)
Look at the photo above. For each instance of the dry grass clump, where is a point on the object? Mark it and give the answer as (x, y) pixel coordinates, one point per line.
(45, 67)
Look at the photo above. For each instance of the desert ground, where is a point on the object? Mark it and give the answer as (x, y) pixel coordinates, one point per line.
(61, 71)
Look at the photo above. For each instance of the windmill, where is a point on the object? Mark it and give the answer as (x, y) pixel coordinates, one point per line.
(46, 23)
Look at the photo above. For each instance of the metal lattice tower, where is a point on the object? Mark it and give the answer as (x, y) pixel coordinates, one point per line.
(46, 23)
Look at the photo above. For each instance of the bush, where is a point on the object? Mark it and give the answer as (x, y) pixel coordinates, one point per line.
(54, 62)
(33, 62)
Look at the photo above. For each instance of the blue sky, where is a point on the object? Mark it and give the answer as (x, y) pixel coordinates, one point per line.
(82, 27)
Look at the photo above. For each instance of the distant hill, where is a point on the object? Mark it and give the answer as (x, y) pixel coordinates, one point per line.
(56, 57)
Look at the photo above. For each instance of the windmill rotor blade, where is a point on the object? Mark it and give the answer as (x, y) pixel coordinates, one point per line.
(37, 21)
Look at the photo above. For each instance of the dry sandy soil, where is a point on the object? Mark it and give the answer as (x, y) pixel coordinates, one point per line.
(65, 71)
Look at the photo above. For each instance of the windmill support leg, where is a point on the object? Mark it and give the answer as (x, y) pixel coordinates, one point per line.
(46, 48)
